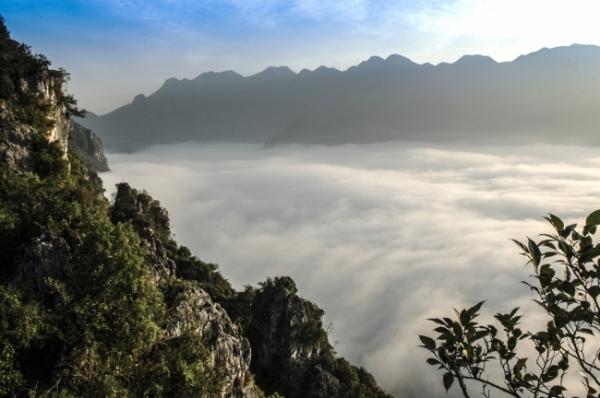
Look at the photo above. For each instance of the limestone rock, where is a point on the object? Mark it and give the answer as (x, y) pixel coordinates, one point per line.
(151, 222)
(17, 139)
(194, 311)
(291, 354)
(89, 146)
(49, 86)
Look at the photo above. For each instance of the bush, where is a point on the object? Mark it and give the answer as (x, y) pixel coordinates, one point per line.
(566, 283)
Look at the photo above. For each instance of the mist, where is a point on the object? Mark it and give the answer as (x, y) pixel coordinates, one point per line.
(381, 236)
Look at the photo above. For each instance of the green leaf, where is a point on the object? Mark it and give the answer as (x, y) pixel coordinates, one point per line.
(550, 374)
(438, 321)
(594, 291)
(593, 219)
(556, 223)
(448, 380)
(473, 310)
(428, 342)
(546, 275)
(433, 361)
(556, 391)
(535, 252)
(567, 287)
(522, 246)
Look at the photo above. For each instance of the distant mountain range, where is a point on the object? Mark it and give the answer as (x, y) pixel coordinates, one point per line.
(552, 95)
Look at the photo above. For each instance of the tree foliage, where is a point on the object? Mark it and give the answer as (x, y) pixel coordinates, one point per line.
(21, 72)
(505, 359)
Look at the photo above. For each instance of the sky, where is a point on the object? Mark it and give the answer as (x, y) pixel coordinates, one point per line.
(116, 49)
(381, 236)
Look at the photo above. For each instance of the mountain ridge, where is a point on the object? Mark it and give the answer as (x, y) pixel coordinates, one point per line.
(533, 99)
(396, 58)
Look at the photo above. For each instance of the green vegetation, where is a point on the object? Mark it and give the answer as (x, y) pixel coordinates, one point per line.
(541, 363)
(80, 311)
(20, 73)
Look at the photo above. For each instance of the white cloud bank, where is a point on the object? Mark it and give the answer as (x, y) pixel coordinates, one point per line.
(381, 236)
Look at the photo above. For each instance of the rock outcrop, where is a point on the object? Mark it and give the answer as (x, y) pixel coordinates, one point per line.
(291, 354)
(18, 138)
(192, 310)
(50, 87)
(89, 146)
(151, 223)
(15, 141)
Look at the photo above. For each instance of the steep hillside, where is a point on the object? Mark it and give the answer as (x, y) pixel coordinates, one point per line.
(98, 300)
(535, 98)
(88, 146)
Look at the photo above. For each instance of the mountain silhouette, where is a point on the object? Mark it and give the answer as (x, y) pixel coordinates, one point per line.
(549, 96)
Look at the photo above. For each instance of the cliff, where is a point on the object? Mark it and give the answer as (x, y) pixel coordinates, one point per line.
(19, 134)
(88, 146)
(98, 299)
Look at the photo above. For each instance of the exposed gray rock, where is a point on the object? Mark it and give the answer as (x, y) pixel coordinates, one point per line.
(17, 139)
(194, 311)
(48, 87)
(291, 354)
(15, 142)
(89, 146)
(151, 222)
(44, 262)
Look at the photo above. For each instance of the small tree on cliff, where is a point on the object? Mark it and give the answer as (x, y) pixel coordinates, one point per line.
(566, 283)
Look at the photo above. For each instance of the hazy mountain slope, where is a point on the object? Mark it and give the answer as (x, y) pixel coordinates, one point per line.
(536, 97)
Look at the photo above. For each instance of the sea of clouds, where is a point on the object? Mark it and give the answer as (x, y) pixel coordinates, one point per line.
(381, 236)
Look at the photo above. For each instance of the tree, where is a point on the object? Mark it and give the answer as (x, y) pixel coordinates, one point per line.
(505, 359)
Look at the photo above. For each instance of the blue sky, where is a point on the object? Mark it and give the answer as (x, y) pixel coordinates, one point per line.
(116, 49)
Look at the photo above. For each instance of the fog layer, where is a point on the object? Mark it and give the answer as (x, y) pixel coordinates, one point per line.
(381, 236)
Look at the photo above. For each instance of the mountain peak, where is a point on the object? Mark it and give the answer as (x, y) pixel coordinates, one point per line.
(169, 83)
(397, 59)
(138, 98)
(275, 72)
(475, 59)
(378, 62)
(372, 61)
(218, 76)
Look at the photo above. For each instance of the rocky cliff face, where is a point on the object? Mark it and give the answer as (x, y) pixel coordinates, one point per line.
(18, 138)
(192, 309)
(49, 87)
(89, 147)
(276, 337)
(291, 354)
(15, 141)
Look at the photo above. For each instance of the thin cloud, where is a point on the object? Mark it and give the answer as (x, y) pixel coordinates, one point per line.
(503, 27)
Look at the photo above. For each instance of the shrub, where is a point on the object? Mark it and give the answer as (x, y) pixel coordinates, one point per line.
(566, 283)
